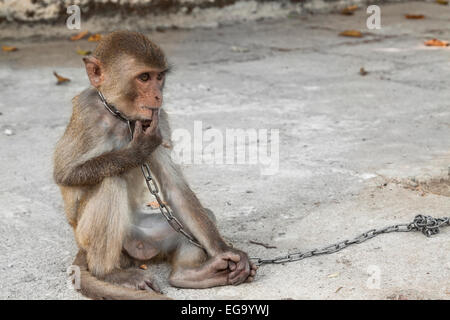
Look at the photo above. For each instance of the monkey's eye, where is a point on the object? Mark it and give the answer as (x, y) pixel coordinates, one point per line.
(144, 77)
(160, 76)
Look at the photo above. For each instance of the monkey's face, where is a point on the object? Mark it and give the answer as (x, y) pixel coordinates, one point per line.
(135, 88)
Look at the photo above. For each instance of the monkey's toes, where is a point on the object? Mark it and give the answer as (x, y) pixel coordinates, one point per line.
(218, 263)
(149, 285)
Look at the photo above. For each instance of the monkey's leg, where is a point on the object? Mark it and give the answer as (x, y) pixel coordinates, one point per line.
(103, 226)
(151, 234)
(133, 278)
(101, 233)
(192, 268)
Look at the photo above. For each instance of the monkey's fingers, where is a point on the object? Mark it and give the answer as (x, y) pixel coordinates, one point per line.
(223, 261)
(251, 276)
(154, 124)
(137, 128)
(239, 278)
(231, 265)
(221, 273)
(240, 273)
(153, 286)
(232, 256)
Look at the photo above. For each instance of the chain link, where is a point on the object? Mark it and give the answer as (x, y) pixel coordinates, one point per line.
(426, 224)
(165, 210)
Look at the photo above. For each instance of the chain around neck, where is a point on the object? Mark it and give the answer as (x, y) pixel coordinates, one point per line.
(112, 109)
(116, 113)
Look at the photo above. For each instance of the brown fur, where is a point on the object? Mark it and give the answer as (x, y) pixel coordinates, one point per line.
(97, 169)
(133, 44)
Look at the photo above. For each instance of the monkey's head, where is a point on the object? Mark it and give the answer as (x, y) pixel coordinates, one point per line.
(130, 72)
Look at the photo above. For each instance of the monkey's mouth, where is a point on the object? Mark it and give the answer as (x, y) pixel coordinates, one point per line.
(146, 124)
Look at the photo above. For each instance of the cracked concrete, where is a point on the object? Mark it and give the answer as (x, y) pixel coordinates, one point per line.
(349, 148)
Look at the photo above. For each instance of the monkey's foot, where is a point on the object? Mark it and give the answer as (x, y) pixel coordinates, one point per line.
(214, 272)
(251, 276)
(242, 269)
(135, 279)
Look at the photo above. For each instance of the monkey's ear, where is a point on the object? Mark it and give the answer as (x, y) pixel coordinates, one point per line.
(94, 70)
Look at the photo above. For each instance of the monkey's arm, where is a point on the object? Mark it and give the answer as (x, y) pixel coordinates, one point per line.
(94, 170)
(70, 171)
(184, 203)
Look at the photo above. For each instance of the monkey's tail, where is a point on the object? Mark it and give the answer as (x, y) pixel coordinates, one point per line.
(96, 289)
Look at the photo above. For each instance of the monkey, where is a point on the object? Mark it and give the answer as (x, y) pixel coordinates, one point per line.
(97, 168)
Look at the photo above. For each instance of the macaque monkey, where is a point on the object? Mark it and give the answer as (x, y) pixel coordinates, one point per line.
(97, 167)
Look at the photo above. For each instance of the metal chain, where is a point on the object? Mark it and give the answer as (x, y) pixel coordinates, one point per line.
(426, 224)
(165, 210)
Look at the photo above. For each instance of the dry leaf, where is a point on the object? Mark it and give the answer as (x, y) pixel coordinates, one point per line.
(363, 72)
(60, 78)
(143, 266)
(414, 16)
(338, 289)
(436, 43)
(79, 36)
(83, 52)
(349, 10)
(333, 275)
(351, 33)
(95, 37)
(166, 144)
(9, 48)
(154, 204)
(444, 2)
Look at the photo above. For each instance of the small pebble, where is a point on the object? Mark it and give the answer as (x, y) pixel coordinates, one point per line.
(8, 132)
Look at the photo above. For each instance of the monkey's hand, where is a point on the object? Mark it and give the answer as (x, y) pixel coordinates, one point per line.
(145, 142)
(240, 267)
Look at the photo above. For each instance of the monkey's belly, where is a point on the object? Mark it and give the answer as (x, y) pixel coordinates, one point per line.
(149, 235)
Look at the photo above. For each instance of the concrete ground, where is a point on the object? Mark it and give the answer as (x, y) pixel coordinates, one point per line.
(356, 152)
